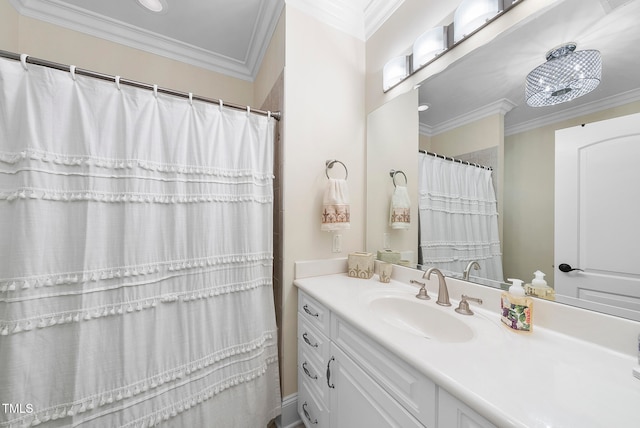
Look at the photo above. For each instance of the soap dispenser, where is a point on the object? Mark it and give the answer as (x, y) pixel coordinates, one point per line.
(517, 308)
(539, 287)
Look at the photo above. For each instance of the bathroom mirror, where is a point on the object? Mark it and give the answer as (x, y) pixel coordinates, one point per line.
(489, 91)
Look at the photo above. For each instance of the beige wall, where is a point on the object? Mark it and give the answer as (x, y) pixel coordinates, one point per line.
(480, 134)
(8, 27)
(529, 195)
(392, 131)
(324, 119)
(271, 66)
(424, 142)
(21, 34)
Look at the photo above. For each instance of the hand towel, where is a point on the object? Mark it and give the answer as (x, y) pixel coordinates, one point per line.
(400, 217)
(335, 206)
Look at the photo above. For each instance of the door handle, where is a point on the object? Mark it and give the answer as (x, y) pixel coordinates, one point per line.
(329, 384)
(567, 268)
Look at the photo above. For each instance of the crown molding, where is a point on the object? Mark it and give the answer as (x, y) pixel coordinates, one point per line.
(425, 129)
(84, 21)
(346, 16)
(502, 106)
(358, 18)
(570, 113)
(376, 12)
(266, 24)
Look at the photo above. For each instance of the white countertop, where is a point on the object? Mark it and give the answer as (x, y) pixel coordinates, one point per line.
(543, 379)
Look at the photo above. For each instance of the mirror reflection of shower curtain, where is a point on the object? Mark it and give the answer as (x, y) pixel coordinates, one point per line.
(458, 217)
(136, 257)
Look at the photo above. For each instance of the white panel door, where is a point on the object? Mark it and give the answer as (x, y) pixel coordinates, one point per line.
(597, 215)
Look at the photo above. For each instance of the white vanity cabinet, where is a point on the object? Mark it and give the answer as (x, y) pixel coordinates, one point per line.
(385, 375)
(453, 413)
(347, 380)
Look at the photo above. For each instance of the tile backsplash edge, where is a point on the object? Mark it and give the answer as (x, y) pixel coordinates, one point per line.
(309, 268)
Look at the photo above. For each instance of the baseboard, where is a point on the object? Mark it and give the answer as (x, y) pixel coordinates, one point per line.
(289, 417)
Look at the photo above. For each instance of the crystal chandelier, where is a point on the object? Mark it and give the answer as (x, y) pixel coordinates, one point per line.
(567, 74)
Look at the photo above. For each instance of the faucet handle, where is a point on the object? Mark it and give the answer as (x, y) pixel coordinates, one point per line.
(463, 306)
(422, 294)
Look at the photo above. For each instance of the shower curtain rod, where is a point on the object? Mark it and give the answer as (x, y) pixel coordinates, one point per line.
(43, 62)
(456, 160)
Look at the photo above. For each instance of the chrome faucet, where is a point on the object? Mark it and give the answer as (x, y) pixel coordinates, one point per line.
(443, 292)
(465, 274)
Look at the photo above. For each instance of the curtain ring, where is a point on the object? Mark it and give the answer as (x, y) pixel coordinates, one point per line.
(330, 163)
(190, 98)
(72, 70)
(155, 91)
(220, 103)
(117, 80)
(269, 114)
(248, 110)
(393, 174)
(23, 61)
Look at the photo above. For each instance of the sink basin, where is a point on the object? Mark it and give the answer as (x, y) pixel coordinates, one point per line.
(422, 319)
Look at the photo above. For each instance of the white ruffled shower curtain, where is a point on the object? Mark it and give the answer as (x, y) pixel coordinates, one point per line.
(458, 217)
(136, 257)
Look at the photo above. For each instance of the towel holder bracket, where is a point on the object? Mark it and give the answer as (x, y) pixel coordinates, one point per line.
(393, 174)
(329, 163)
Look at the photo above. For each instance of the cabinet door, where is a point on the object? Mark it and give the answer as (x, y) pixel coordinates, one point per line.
(357, 401)
(453, 413)
(406, 385)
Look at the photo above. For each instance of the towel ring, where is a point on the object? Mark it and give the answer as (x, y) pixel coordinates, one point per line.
(393, 174)
(330, 163)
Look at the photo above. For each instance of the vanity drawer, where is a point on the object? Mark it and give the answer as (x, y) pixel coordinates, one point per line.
(410, 388)
(313, 412)
(314, 312)
(313, 373)
(312, 343)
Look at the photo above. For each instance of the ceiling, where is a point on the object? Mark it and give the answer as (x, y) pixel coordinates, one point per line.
(492, 77)
(226, 36)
